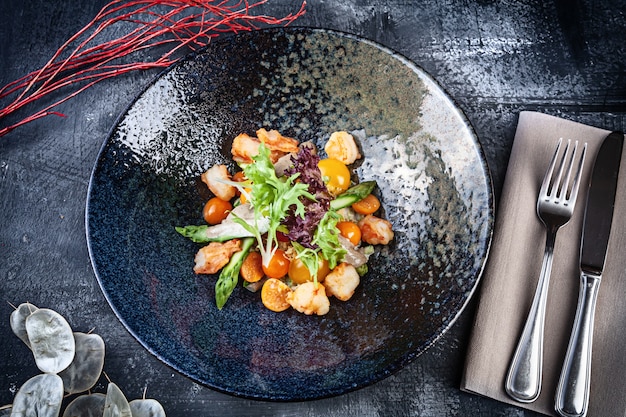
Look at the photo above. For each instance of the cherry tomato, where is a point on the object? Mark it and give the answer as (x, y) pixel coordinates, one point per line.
(252, 267)
(239, 176)
(216, 210)
(299, 273)
(274, 295)
(243, 197)
(350, 231)
(335, 174)
(278, 265)
(281, 237)
(368, 205)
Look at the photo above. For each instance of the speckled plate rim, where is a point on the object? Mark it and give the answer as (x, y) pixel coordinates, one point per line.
(491, 217)
(410, 356)
(487, 171)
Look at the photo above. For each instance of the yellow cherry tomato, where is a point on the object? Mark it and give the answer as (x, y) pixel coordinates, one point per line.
(243, 197)
(216, 210)
(335, 174)
(368, 205)
(278, 265)
(299, 273)
(350, 231)
(252, 267)
(274, 295)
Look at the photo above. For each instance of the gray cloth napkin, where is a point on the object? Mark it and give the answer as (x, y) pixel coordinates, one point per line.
(512, 270)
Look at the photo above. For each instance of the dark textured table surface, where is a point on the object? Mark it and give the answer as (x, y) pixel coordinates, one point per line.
(495, 58)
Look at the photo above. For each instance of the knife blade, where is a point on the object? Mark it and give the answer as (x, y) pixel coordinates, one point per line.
(572, 395)
(600, 202)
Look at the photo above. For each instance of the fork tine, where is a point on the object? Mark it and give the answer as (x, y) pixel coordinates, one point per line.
(563, 194)
(557, 189)
(545, 185)
(579, 172)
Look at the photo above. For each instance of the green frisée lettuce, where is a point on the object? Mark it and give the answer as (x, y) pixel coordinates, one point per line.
(326, 238)
(271, 198)
(295, 223)
(326, 242)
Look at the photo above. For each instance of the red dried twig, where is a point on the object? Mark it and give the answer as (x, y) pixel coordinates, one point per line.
(174, 25)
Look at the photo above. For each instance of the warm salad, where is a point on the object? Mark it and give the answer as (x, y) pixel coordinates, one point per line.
(291, 224)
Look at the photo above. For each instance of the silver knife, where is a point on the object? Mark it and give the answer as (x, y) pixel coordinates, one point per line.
(572, 394)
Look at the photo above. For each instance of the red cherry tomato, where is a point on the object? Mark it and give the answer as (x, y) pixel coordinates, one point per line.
(281, 237)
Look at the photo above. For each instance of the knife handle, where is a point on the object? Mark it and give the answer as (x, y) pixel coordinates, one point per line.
(572, 394)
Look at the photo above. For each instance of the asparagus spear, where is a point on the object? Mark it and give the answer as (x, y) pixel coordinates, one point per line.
(353, 194)
(229, 276)
(218, 233)
(229, 229)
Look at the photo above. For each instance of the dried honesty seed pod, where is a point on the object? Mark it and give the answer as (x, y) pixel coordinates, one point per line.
(116, 404)
(18, 321)
(91, 405)
(51, 340)
(85, 369)
(146, 408)
(78, 359)
(40, 396)
(5, 410)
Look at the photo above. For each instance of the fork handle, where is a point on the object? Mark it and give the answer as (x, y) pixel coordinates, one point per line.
(572, 394)
(523, 382)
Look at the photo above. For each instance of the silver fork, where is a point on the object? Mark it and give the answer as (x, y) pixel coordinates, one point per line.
(555, 206)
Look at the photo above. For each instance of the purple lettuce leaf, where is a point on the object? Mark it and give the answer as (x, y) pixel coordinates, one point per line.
(301, 229)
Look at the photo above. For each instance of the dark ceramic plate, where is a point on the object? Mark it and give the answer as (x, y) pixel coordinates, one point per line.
(433, 183)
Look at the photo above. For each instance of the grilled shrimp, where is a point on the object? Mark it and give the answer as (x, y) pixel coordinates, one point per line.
(213, 179)
(245, 147)
(277, 142)
(342, 281)
(213, 257)
(375, 231)
(341, 146)
(309, 298)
